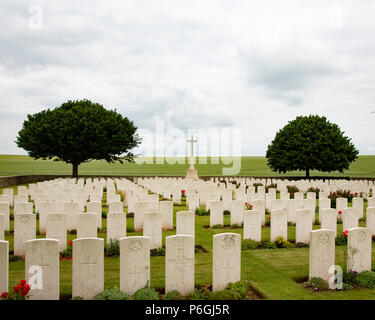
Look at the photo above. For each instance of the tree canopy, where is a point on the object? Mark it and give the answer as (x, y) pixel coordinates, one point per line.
(77, 132)
(310, 143)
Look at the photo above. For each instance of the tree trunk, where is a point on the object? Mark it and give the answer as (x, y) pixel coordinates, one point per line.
(75, 170)
(308, 173)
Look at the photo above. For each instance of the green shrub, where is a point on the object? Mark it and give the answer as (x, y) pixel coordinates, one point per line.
(350, 277)
(346, 286)
(282, 243)
(129, 229)
(270, 245)
(226, 212)
(292, 190)
(173, 295)
(341, 240)
(199, 294)
(14, 258)
(318, 284)
(222, 295)
(157, 252)
(112, 294)
(249, 244)
(235, 226)
(74, 231)
(146, 293)
(271, 186)
(256, 185)
(316, 190)
(239, 289)
(130, 215)
(366, 279)
(202, 211)
(77, 298)
(112, 249)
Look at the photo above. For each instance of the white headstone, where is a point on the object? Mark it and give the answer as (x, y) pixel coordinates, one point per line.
(193, 202)
(87, 225)
(370, 219)
(152, 229)
(95, 207)
(24, 230)
(341, 204)
(292, 207)
(88, 267)
(279, 224)
(357, 204)
(4, 266)
(134, 264)
(328, 218)
(252, 226)
(359, 249)
(216, 213)
(324, 203)
(2, 226)
(349, 219)
(166, 210)
(179, 264)
(185, 223)
(56, 228)
(4, 209)
(42, 269)
(303, 225)
(260, 205)
(226, 264)
(115, 207)
(116, 226)
(322, 253)
(237, 212)
(139, 211)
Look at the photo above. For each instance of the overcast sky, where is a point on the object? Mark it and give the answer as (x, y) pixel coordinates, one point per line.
(246, 65)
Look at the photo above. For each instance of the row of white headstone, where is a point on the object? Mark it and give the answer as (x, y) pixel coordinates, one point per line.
(42, 265)
(322, 252)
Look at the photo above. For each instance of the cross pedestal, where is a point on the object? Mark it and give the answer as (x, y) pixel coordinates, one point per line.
(192, 173)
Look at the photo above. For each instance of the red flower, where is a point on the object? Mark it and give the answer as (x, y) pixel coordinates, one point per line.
(70, 259)
(356, 193)
(245, 203)
(4, 295)
(351, 194)
(71, 243)
(183, 191)
(22, 282)
(345, 233)
(62, 259)
(251, 206)
(340, 212)
(15, 289)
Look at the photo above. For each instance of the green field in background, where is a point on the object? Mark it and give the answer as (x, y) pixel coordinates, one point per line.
(250, 166)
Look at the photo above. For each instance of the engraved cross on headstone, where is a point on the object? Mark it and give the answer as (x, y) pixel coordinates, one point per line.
(88, 264)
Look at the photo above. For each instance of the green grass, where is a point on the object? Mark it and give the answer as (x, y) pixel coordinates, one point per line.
(250, 166)
(272, 272)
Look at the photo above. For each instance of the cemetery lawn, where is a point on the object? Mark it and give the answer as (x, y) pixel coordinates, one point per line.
(272, 272)
(250, 166)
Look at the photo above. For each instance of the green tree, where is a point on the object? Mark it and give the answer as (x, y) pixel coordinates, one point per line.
(310, 143)
(77, 132)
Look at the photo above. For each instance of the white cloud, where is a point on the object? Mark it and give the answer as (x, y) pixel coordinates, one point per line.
(194, 64)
